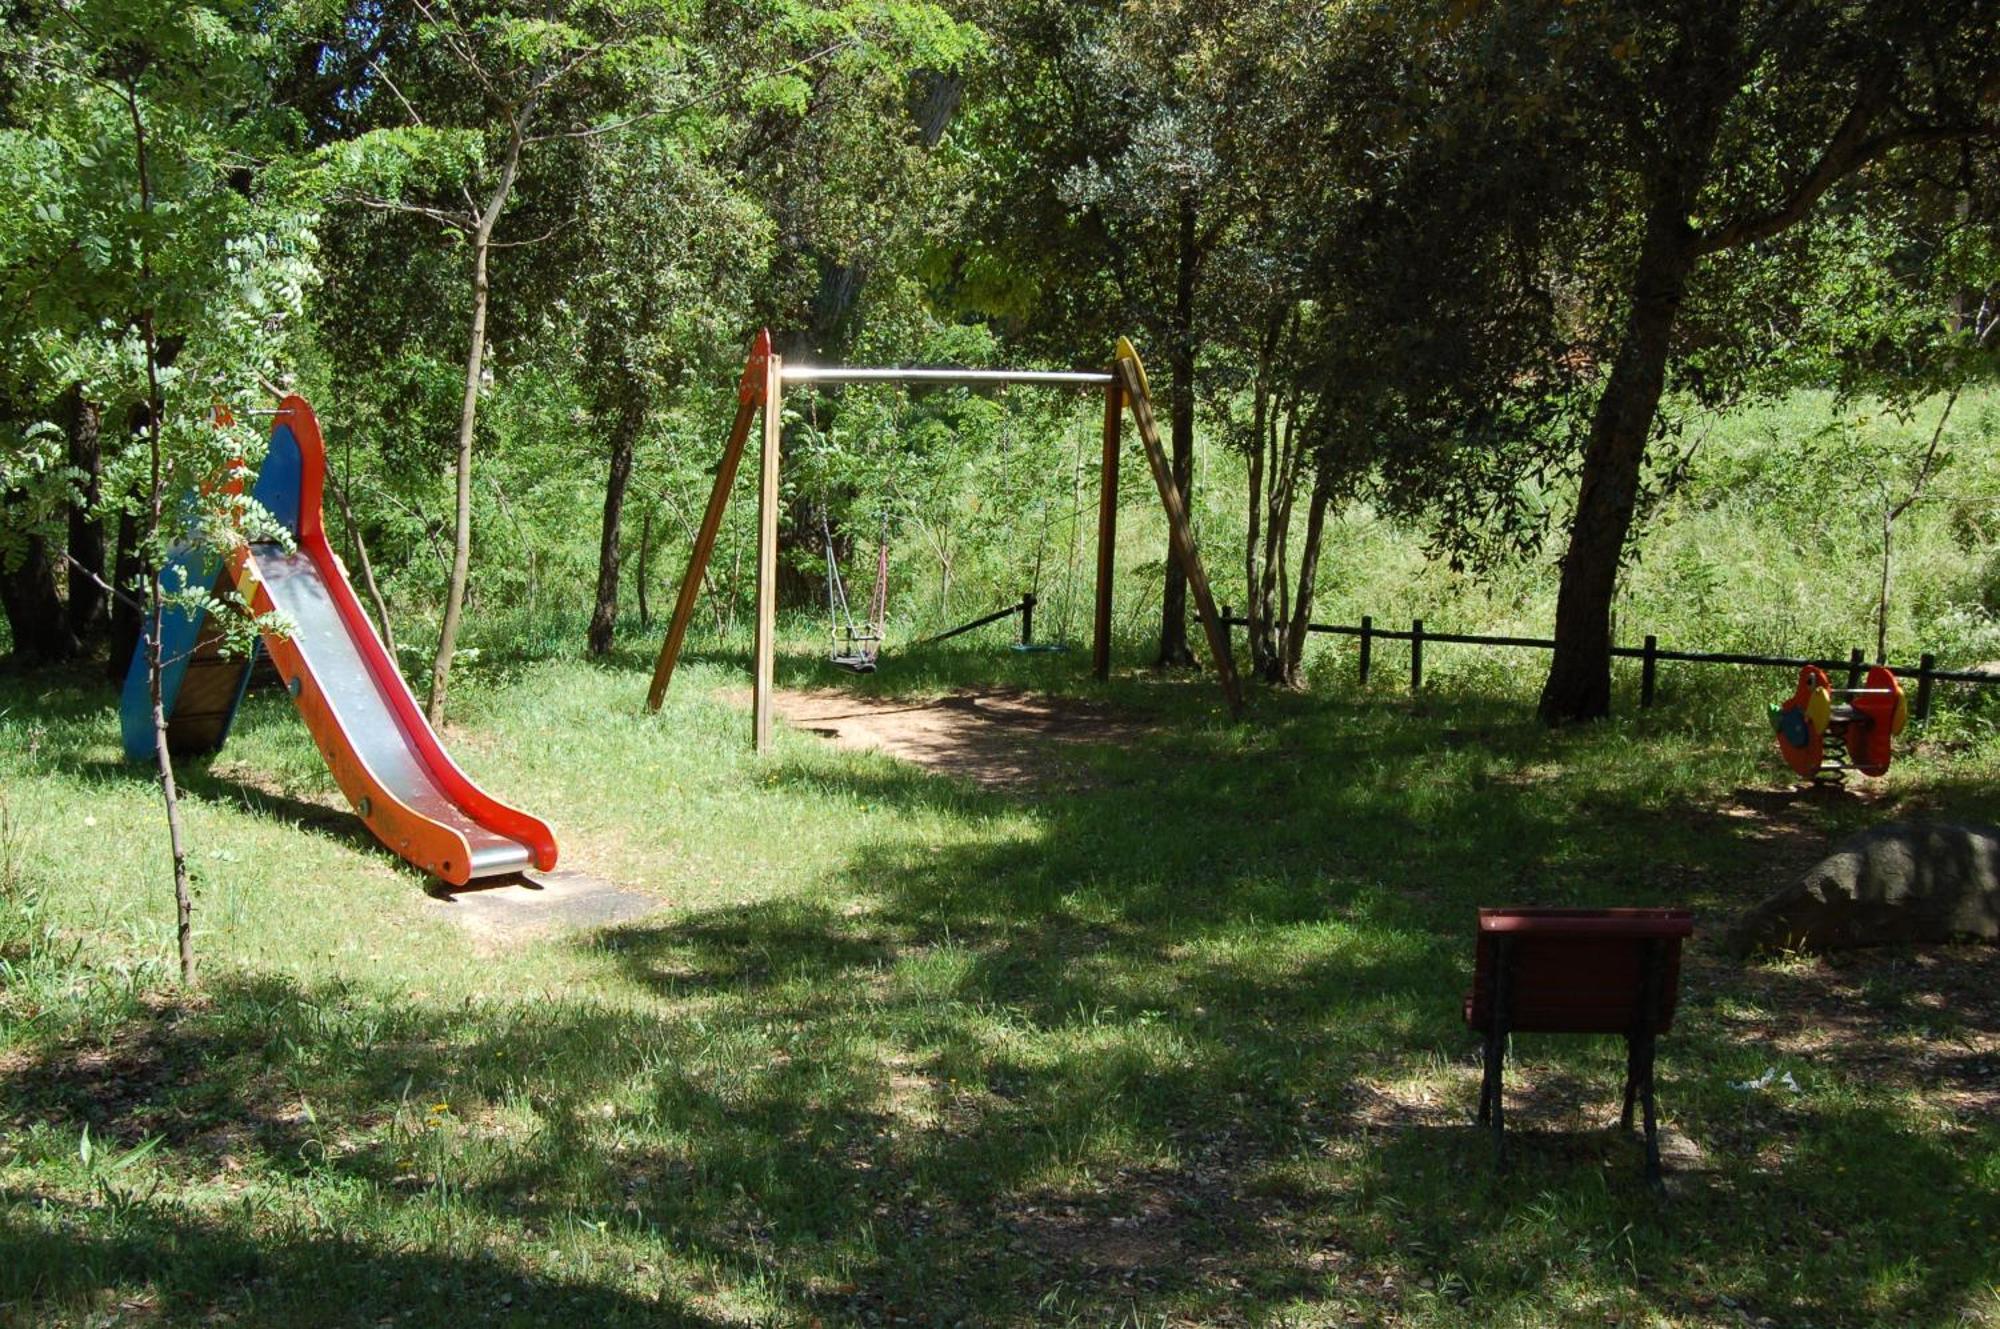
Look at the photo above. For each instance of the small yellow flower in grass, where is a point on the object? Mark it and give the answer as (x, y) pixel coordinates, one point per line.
(440, 1107)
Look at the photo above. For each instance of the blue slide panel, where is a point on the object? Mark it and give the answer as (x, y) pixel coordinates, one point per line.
(180, 630)
(277, 489)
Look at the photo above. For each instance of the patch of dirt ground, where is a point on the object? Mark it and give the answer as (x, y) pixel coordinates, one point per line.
(1007, 739)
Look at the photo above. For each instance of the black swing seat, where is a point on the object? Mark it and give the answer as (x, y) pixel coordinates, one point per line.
(855, 648)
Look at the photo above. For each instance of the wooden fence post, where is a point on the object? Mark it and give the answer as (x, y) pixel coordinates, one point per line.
(1416, 655)
(1028, 618)
(1922, 709)
(1855, 660)
(1649, 669)
(1367, 643)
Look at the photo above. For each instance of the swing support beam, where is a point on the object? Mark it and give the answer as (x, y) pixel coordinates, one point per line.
(1049, 378)
(761, 390)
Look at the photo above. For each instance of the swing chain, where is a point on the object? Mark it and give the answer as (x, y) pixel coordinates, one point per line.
(854, 645)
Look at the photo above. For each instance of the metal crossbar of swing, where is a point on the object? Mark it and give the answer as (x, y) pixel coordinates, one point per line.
(1054, 378)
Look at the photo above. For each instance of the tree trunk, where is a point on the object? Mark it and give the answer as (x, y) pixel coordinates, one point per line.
(631, 419)
(468, 418)
(367, 566)
(461, 537)
(1275, 449)
(1890, 515)
(127, 614)
(1272, 589)
(34, 607)
(1882, 590)
(86, 525)
(1256, 615)
(1579, 681)
(644, 569)
(163, 756)
(176, 833)
(155, 603)
(1292, 671)
(1181, 348)
(942, 95)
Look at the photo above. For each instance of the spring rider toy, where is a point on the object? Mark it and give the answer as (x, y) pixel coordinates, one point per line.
(1824, 732)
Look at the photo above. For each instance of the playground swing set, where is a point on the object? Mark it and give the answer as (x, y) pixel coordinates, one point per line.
(856, 643)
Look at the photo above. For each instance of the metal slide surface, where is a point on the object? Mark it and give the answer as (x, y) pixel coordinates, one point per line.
(383, 754)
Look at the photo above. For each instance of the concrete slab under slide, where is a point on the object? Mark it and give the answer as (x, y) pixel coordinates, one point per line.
(506, 910)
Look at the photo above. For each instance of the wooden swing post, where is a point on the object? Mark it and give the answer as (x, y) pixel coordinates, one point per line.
(767, 554)
(1132, 377)
(750, 395)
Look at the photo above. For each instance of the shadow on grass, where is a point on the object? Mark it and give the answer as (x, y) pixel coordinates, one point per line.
(1092, 1055)
(161, 1264)
(1833, 1232)
(195, 778)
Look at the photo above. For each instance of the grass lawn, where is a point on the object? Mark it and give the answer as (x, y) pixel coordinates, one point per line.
(1172, 1038)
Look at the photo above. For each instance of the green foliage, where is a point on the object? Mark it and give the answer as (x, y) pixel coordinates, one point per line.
(399, 160)
(140, 227)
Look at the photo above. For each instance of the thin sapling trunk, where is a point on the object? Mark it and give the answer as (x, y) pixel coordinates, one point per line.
(644, 568)
(367, 566)
(468, 418)
(629, 423)
(1890, 515)
(155, 599)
